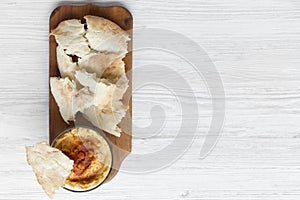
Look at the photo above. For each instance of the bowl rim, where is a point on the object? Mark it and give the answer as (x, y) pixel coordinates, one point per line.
(99, 132)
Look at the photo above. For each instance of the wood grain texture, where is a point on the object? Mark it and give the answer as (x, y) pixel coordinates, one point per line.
(121, 146)
(255, 45)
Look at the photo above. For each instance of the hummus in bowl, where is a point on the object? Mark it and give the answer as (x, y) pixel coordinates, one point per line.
(91, 154)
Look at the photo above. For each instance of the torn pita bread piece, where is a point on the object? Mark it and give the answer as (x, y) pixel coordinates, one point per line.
(65, 64)
(115, 73)
(64, 91)
(121, 87)
(83, 99)
(103, 92)
(68, 98)
(97, 62)
(105, 36)
(69, 35)
(87, 79)
(106, 120)
(50, 165)
(104, 95)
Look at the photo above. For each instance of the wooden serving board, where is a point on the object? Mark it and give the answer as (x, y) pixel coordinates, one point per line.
(121, 146)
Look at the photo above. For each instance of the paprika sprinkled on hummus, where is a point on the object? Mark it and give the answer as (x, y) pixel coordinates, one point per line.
(91, 155)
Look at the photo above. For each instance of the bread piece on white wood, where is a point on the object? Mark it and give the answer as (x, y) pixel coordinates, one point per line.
(50, 166)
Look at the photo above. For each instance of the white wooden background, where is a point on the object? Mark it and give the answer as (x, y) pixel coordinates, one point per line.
(255, 45)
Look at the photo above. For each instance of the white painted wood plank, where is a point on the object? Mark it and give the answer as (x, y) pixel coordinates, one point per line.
(255, 46)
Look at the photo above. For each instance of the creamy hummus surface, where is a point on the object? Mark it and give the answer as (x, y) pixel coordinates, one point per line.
(91, 155)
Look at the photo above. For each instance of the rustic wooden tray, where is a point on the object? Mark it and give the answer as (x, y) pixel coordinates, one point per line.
(121, 147)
